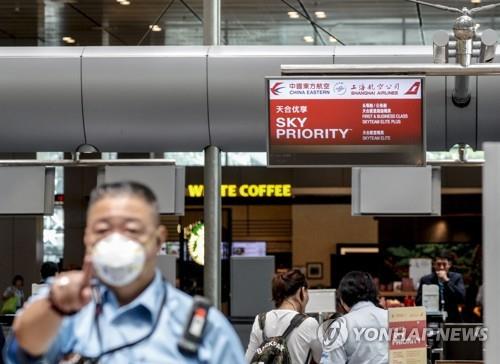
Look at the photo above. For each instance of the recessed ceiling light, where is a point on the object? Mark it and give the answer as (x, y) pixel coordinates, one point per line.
(155, 28)
(293, 15)
(308, 39)
(68, 40)
(333, 40)
(475, 1)
(320, 14)
(123, 2)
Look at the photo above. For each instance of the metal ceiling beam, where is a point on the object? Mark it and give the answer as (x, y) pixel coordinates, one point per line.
(392, 69)
(420, 24)
(84, 162)
(95, 22)
(158, 18)
(191, 10)
(312, 21)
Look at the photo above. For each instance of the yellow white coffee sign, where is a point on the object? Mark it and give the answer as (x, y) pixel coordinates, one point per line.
(245, 190)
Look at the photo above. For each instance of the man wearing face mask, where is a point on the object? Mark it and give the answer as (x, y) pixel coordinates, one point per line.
(129, 314)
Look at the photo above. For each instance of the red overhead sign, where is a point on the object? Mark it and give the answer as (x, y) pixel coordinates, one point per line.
(346, 121)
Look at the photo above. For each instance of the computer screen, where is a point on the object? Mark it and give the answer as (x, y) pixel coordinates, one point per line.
(249, 248)
(463, 341)
(173, 248)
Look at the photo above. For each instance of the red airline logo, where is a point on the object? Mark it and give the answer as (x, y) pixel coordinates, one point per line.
(413, 90)
(276, 89)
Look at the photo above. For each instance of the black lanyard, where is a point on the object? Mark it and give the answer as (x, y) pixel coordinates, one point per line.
(98, 311)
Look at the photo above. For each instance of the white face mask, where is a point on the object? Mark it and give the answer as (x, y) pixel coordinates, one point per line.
(118, 260)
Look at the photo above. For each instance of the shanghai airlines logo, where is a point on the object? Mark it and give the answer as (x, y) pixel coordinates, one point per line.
(413, 90)
(339, 88)
(276, 89)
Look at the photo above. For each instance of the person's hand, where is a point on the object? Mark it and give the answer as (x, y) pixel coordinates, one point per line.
(71, 291)
(442, 275)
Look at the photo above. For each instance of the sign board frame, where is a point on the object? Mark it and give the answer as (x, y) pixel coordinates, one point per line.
(27, 190)
(389, 191)
(408, 335)
(382, 157)
(168, 182)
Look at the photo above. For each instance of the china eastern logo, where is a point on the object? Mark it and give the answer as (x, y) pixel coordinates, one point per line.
(413, 90)
(277, 88)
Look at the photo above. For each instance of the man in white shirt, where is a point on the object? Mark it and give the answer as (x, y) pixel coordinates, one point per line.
(352, 344)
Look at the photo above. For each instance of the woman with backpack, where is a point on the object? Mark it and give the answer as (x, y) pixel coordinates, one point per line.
(285, 335)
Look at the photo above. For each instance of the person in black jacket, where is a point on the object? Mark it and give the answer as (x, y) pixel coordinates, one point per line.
(451, 286)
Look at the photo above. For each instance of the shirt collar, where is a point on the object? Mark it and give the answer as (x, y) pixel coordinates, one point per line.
(150, 298)
(360, 305)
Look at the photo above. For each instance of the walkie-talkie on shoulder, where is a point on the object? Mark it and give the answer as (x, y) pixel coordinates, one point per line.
(193, 332)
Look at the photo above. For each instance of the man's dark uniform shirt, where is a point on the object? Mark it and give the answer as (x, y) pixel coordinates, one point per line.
(453, 290)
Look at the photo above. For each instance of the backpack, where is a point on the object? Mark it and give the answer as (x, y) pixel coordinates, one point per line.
(274, 350)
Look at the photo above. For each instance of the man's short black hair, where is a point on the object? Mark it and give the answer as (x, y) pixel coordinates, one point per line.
(356, 287)
(125, 188)
(444, 255)
(48, 269)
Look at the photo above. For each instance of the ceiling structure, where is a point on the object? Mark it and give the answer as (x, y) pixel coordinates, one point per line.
(244, 22)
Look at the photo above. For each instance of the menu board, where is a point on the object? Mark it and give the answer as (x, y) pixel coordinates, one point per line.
(345, 121)
(419, 267)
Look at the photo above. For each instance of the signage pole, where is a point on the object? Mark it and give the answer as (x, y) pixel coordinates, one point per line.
(212, 218)
(211, 22)
(491, 249)
(212, 179)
